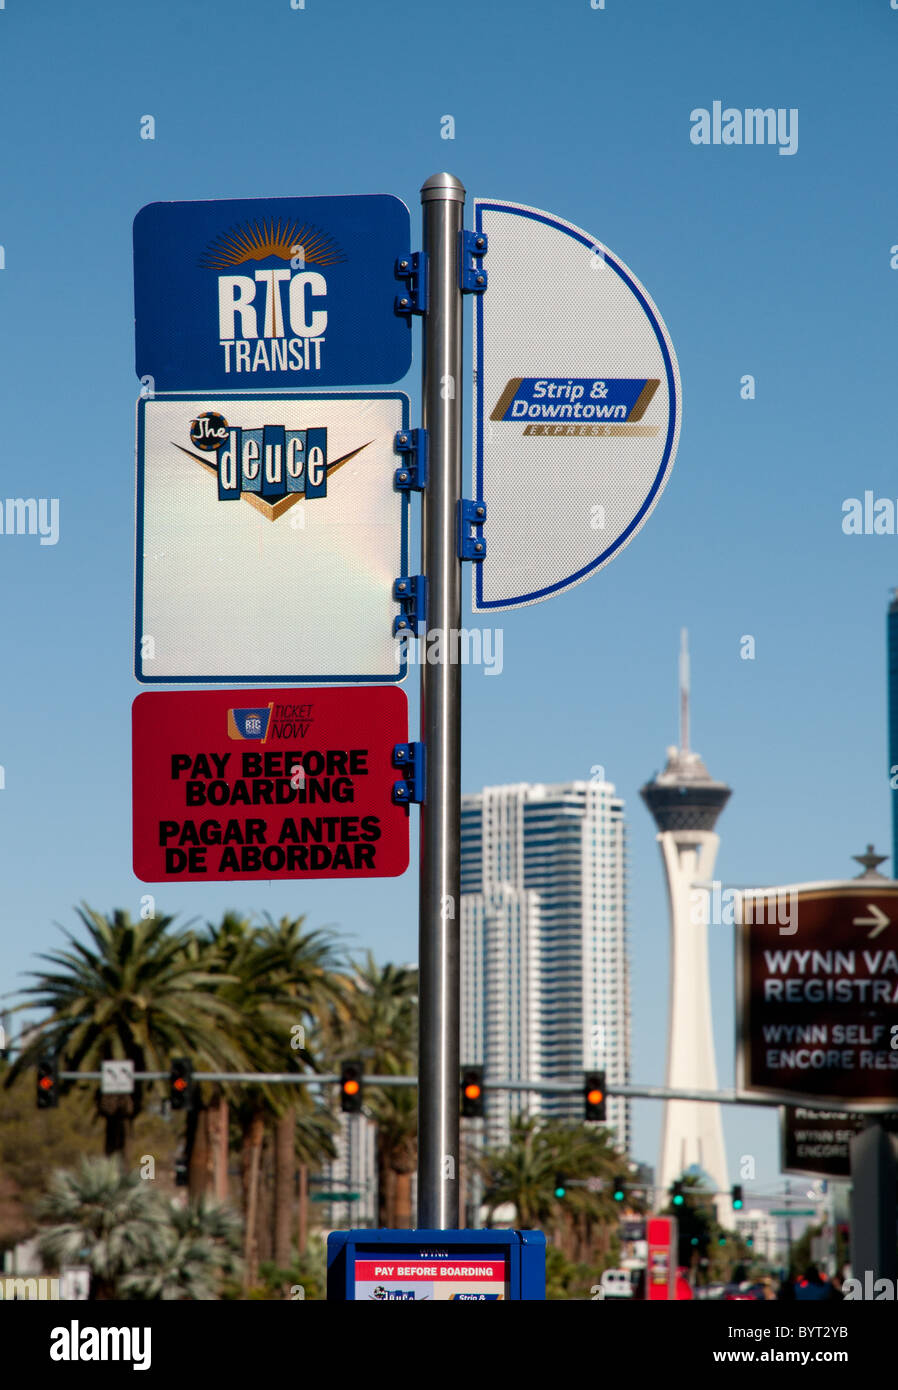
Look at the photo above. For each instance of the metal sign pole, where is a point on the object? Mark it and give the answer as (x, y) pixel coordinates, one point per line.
(873, 1169)
(443, 198)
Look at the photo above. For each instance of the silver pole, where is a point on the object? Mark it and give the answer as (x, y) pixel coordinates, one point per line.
(443, 198)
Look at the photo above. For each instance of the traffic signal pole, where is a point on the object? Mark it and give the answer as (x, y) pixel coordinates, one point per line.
(443, 198)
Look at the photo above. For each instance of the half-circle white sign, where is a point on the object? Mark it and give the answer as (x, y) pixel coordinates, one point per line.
(576, 405)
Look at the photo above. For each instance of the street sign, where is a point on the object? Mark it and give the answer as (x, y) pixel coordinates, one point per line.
(265, 784)
(817, 993)
(427, 1265)
(335, 1196)
(576, 405)
(817, 1143)
(117, 1078)
(269, 538)
(661, 1262)
(794, 1211)
(270, 293)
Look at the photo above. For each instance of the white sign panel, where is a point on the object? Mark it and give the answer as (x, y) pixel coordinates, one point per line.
(269, 537)
(117, 1078)
(577, 405)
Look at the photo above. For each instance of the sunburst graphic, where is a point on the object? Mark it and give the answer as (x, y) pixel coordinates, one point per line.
(254, 241)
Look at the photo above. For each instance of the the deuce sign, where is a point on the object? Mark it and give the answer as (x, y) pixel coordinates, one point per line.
(248, 784)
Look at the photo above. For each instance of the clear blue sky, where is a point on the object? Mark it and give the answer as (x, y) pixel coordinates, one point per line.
(763, 264)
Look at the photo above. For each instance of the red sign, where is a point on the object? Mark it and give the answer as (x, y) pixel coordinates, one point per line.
(818, 991)
(661, 1258)
(264, 784)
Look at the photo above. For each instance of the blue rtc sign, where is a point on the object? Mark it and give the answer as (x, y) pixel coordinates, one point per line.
(267, 293)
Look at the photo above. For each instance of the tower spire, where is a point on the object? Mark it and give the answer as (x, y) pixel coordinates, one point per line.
(684, 690)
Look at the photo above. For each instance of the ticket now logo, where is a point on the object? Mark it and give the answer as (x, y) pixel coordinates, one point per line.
(270, 466)
(577, 405)
(275, 318)
(250, 724)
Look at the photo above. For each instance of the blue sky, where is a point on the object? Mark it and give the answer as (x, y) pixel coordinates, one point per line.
(762, 264)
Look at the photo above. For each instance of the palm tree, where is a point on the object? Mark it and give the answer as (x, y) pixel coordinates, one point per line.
(247, 970)
(275, 976)
(103, 1218)
(385, 1033)
(311, 974)
(525, 1172)
(197, 1248)
(137, 991)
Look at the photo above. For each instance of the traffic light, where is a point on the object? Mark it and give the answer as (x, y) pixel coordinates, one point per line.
(180, 1083)
(619, 1191)
(594, 1097)
(721, 1240)
(677, 1199)
(47, 1083)
(351, 1088)
(560, 1186)
(737, 1197)
(750, 1242)
(472, 1092)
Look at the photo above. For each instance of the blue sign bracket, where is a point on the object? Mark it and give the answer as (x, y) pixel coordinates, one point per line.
(411, 475)
(411, 591)
(472, 246)
(471, 546)
(412, 269)
(410, 758)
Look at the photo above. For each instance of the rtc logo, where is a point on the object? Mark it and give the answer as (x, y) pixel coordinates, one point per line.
(272, 319)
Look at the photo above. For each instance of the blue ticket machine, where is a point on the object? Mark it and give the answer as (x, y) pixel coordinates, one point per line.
(469, 1266)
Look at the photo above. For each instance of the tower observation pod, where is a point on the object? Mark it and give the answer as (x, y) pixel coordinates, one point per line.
(685, 802)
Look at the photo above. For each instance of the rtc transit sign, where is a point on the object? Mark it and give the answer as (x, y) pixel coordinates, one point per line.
(817, 1002)
(270, 293)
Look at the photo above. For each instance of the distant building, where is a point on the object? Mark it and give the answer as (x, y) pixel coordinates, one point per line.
(353, 1169)
(545, 969)
(685, 802)
(760, 1228)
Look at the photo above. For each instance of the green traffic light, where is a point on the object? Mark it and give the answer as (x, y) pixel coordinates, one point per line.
(560, 1191)
(679, 1199)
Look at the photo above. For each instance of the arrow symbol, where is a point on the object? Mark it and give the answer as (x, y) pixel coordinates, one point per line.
(879, 921)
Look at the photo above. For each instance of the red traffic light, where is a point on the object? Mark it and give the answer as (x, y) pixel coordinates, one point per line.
(351, 1081)
(471, 1088)
(594, 1097)
(180, 1083)
(47, 1089)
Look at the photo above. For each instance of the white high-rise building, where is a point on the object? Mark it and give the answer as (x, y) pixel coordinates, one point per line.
(545, 971)
(685, 803)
